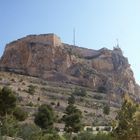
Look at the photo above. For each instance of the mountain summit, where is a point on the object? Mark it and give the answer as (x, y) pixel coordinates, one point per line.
(45, 56)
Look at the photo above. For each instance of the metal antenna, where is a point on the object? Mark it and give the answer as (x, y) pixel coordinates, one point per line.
(73, 36)
(117, 40)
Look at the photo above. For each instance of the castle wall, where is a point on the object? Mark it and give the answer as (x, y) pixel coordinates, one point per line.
(50, 39)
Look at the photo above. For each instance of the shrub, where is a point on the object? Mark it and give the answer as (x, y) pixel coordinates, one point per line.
(86, 136)
(9, 126)
(20, 114)
(89, 129)
(79, 92)
(28, 131)
(52, 103)
(44, 117)
(107, 128)
(90, 136)
(102, 89)
(30, 104)
(31, 89)
(98, 97)
(103, 136)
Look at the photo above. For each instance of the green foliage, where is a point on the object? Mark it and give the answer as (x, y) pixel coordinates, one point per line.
(106, 109)
(20, 114)
(98, 97)
(31, 89)
(136, 127)
(102, 89)
(103, 136)
(9, 126)
(52, 137)
(30, 131)
(71, 99)
(79, 92)
(86, 136)
(45, 117)
(30, 104)
(91, 136)
(72, 119)
(7, 101)
(126, 121)
(33, 132)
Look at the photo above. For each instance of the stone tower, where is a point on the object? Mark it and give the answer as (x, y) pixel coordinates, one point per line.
(53, 39)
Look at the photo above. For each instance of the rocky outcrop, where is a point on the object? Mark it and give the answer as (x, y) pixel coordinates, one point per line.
(46, 57)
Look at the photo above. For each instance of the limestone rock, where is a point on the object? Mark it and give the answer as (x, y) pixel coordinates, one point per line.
(45, 56)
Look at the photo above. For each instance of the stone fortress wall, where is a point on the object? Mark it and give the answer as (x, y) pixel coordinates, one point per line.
(50, 39)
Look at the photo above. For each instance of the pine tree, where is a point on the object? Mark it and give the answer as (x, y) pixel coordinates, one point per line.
(44, 117)
(72, 117)
(126, 119)
(7, 101)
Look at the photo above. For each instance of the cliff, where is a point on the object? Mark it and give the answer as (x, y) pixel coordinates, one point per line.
(45, 56)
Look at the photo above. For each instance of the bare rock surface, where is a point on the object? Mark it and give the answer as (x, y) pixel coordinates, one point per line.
(45, 56)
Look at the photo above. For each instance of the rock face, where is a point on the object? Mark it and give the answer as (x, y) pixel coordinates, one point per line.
(46, 57)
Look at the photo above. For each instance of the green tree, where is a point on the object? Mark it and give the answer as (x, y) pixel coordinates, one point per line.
(136, 127)
(71, 99)
(125, 120)
(72, 119)
(106, 109)
(7, 101)
(44, 117)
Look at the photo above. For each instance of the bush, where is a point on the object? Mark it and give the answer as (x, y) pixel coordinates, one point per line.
(98, 97)
(20, 114)
(89, 129)
(9, 126)
(28, 131)
(90, 136)
(103, 136)
(107, 128)
(102, 89)
(79, 92)
(30, 104)
(31, 89)
(44, 117)
(86, 136)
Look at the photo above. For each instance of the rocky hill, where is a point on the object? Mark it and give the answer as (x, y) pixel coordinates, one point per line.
(45, 56)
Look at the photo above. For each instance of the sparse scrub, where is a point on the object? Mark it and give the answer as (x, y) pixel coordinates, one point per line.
(79, 92)
(52, 103)
(102, 89)
(20, 114)
(13, 80)
(31, 89)
(30, 104)
(98, 97)
(9, 127)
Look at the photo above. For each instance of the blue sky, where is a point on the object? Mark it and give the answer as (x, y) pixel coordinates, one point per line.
(98, 23)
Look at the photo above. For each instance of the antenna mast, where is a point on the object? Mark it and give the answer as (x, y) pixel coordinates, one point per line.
(73, 36)
(117, 42)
